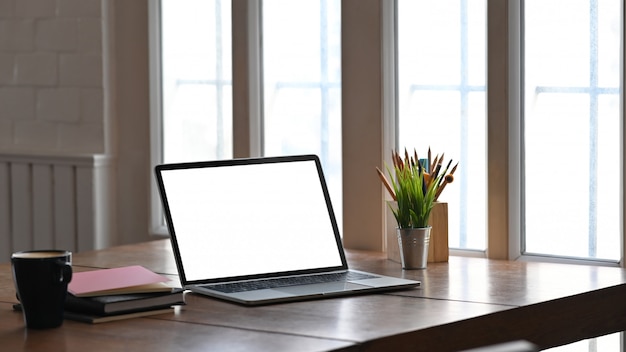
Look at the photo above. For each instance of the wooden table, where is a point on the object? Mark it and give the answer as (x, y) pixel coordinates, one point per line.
(464, 303)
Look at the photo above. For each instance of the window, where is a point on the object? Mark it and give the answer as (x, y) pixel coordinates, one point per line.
(445, 82)
(441, 97)
(572, 123)
(302, 83)
(300, 71)
(196, 78)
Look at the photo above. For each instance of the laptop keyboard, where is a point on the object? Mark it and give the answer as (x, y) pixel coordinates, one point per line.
(287, 281)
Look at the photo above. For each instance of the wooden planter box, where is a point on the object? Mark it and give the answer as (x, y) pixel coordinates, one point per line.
(438, 247)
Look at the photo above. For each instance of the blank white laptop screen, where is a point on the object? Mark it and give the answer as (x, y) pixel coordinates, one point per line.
(242, 220)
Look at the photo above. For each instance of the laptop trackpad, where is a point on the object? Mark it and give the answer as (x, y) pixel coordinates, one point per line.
(320, 288)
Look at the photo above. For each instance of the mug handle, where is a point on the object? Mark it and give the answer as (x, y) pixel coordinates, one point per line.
(66, 272)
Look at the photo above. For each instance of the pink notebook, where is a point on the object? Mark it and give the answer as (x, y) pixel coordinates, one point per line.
(128, 279)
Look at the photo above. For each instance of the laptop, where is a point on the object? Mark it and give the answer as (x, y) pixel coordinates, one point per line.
(259, 231)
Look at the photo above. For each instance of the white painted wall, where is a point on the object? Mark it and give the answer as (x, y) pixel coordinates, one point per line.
(51, 75)
(74, 81)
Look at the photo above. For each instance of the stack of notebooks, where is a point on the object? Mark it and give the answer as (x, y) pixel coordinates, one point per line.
(121, 293)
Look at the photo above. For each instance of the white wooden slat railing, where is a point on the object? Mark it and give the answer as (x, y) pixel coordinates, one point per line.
(53, 201)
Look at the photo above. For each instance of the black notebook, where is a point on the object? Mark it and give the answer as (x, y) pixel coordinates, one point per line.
(97, 319)
(125, 303)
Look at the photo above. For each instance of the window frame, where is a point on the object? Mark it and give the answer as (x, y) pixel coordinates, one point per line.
(157, 225)
(516, 145)
(369, 118)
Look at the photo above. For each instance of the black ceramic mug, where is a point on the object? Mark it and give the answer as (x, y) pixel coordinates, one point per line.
(41, 279)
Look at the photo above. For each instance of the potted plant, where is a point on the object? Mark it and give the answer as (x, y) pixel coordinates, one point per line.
(415, 190)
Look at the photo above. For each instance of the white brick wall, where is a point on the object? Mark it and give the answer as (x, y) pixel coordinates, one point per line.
(59, 104)
(6, 133)
(6, 68)
(17, 103)
(34, 8)
(38, 69)
(56, 34)
(17, 35)
(51, 93)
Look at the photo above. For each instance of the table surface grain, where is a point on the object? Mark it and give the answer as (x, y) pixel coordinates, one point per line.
(462, 303)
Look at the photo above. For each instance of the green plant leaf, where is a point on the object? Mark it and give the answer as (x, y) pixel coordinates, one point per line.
(414, 198)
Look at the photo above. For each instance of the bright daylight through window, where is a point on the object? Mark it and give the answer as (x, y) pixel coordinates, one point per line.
(572, 128)
(441, 95)
(301, 75)
(571, 113)
(302, 83)
(196, 80)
